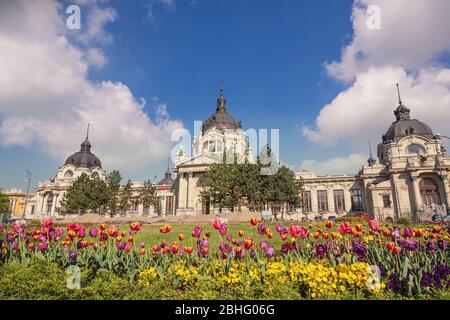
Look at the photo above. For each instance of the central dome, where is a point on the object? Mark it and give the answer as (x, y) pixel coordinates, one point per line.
(221, 120)
(84, 158)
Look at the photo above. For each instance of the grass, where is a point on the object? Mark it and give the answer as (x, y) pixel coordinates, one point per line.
(151, 235)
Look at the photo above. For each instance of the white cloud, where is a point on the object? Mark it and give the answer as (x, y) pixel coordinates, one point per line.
(46, 99)
(349, 165)
(413, 34)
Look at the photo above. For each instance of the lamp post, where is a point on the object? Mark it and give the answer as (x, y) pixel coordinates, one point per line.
(28, 180)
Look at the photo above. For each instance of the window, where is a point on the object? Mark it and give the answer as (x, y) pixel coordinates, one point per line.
(356, 196)
(386, 201)
(339, 200)
(307, 201)
(414, 149)
(429, 192)
(322, 200)
(212, 146)
(68, 174)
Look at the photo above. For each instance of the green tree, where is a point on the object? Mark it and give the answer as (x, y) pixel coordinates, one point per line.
(125, 197)
(114, 179)
(4, 204)
(148, 195)
(84, 195)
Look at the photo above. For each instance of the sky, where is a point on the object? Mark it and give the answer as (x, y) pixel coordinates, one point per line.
(322, 72)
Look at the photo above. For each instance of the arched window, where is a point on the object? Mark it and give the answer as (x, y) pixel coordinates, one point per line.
(414, 149)
(68, 174)
(213, 146)
(429, 192)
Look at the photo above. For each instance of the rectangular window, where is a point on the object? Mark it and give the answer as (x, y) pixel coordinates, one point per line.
(339, 200)
(307, 201)
(356, 196)
(386, 201)
(322, 200)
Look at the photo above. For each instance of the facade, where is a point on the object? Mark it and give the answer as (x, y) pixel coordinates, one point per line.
(410, 178)
(222, 139)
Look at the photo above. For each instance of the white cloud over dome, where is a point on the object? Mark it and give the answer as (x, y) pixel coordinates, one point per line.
(406, 50)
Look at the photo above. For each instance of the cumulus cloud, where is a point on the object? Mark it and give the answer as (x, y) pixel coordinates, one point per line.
(412, 34)
(338, 165)
(46, 98)
(405, 50)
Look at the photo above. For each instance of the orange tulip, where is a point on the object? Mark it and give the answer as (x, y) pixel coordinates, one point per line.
(31, 246)
(181, 237)
(130, 239)
(436, 229)
(238, 250)
(253, 221)
(143, 251)
(103, 226)
(283, 237)
(123, 234)
(325, 235)
(316, 235)
(241, 233)
(119, 239)
(248, 243)
(205, 250)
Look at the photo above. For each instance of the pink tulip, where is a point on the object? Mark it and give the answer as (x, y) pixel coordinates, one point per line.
(374, 225)
(217, 224)
(344, 228)
(223, 229)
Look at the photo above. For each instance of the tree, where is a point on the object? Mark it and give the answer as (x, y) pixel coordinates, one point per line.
(84, 195)
(125, 197)
(114, 179)
(148, 196)
(4, 203)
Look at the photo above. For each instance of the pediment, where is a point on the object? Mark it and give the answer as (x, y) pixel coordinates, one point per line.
(200, 159)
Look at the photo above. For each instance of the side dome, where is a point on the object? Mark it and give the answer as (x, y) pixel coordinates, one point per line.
(221, 119)
(84, 158)
(405, 126)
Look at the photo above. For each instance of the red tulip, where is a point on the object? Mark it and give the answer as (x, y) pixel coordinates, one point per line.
(181, 237)
(130, 239)
(396, 250)
(103, 226)
(253, 221)
(344, 228)
(241, 233)
(390, 245)
(328, 224)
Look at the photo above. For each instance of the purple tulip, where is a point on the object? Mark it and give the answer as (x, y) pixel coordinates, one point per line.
(321, 250)
(284, 248)
(261, 229)
(15, 245)
(72, 255)
(229, 237)
(270, 252)
(142, 244)
(43, 246)
(197, 232)
(1, 229)
(430, 246)
(18, 228)
(408, 232)
(442, 244)
(263, 245)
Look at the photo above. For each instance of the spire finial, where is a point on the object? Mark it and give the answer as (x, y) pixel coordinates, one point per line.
(370, 148)
(87, 132)
(398, 92)
(221, 88)
(221, 102)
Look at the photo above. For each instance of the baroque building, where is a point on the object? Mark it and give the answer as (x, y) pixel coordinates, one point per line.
(410, 179)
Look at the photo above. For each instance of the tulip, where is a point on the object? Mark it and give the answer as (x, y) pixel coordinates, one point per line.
(188, 249)
(217, 224)
(1, 229)
(175, 249)
(130, 239)
(47, 223)
(72, 255)
(135, 227)
(253, 221)
(93, 232)
(123, 234)
(197, 232)
(119, 239)
(359, 227)
(43, 246)
(31, 246)
(328, 224)
(407, 232)
(325, 235)
(390, 245)
(208, 234)
(127, 248)
(181, 237)
(241, 233)
(396, 250)
(223, 229)
(436, 229)
(283, 237)
(103, 226)
(315, 235)
(374, 225)
(143, 251)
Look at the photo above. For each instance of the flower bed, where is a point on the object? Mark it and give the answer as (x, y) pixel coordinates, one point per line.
(318, 260)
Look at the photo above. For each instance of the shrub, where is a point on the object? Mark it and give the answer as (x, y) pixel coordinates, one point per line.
(404, 221)
(34, 279)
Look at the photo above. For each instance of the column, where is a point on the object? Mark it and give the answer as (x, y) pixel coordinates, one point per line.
(445, 182)
(330, 196)
(417, 201)
(314, 203)
(347, 200)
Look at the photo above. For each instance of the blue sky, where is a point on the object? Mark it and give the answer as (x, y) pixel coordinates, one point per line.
(271, 55)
